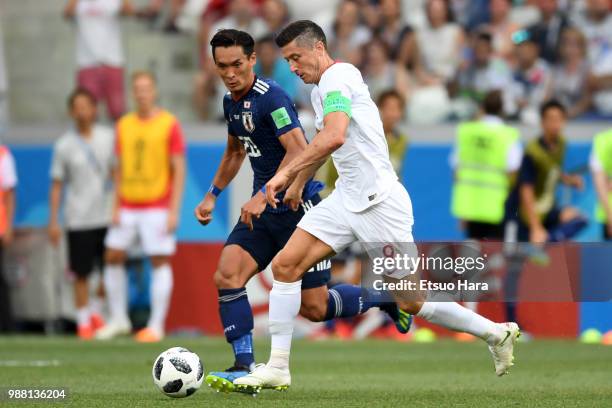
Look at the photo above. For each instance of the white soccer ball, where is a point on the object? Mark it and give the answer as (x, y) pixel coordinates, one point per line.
(178, 372)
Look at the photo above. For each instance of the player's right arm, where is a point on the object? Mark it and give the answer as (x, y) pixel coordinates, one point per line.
(537, 232)
(228, 168)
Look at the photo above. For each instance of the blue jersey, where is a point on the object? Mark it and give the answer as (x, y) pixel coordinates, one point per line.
(258, 119)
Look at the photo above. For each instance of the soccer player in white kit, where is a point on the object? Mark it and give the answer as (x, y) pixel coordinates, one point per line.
(368, 205)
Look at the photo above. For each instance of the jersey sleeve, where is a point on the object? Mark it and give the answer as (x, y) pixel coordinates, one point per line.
(177, 140)
(8, 172)
(336, 91)
(528, 172)
(281, 114)
(58, 167)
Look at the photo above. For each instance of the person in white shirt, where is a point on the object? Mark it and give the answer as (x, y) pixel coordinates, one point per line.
(369, 205)
(99, 52)
(81, 167)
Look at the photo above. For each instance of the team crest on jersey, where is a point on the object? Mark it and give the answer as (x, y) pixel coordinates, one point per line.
(247, 121)
(247, 104)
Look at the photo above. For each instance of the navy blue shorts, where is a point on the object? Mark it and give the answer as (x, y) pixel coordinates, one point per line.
(270, 233)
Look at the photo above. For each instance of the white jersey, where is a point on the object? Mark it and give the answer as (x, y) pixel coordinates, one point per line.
(365, 172)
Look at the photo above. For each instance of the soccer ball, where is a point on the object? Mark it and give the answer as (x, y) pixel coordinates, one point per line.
(178, 372)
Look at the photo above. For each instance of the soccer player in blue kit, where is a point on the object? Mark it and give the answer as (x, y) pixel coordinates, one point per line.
(262, 123)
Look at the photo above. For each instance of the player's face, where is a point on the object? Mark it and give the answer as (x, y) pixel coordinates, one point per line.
(305, 61)
(235, 68)
(553, 122)
(145, 92)
(83, 110)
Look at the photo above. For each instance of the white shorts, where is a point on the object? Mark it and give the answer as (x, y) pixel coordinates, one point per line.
(149, 225)
(389, 221)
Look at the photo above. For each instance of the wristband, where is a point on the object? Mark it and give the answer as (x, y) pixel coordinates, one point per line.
(214, 190)
(263, 189)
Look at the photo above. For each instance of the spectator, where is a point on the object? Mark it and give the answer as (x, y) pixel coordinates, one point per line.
(501, 28)
(347, 35)
(547, 32)
(149, 180)
(242, 16)
(99, 52)
(271, 65)
(440, 44)
(596, 24)
(392, 108)
(379, 72)
(276, 14)
(570, 75)
(485, 73)
(532, 79)
(392, 24)
(8, 182)
(81, 166)
(154, 9)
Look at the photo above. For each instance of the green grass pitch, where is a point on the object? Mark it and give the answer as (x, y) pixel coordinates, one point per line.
(325, 374)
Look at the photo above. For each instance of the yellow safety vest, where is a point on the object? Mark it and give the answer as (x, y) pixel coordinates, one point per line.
(481, 180)
(602, 145)
(145, 157)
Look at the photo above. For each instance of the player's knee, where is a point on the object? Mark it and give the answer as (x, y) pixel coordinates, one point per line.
(315, 312)
(225, 279)
(284, 269)
(412, 307)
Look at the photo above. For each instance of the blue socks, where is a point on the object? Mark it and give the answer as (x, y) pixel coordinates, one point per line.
(349, 300)
(237, 318)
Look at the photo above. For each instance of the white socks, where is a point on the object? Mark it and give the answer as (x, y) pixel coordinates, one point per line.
(285, 300)
(96, 305)
(115, 282)
(161, 290)
(82, 317)
(455, 317)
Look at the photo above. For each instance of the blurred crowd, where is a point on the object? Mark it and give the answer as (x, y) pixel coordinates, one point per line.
(441, 56)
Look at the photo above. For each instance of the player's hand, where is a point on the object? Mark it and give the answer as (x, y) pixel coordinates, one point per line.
(253, 208)
(274, 186)
(55, 233)
(203, 212)
(172, 222)
(538, 235)
(576, 181)
(293, 196)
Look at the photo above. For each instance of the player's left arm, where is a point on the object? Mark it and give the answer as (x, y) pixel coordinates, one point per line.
(177, 164)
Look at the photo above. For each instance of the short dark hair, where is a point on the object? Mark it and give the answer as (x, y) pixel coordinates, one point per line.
(552, 104)
(485, 37)
(305, 31)
(493, 103)
(80, 92)
(389, 94)
(233, 38)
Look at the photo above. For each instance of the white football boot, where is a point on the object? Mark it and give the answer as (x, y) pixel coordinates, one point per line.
(113, 329)
(502, 352)
(263, 377)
